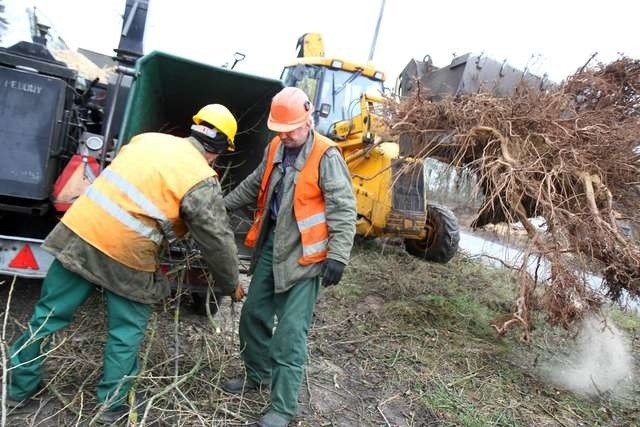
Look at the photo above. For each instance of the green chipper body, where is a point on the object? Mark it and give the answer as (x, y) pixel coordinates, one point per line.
(168, 90)
(165, 94)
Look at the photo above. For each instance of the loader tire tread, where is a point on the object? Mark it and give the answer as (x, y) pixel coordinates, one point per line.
(444, 244)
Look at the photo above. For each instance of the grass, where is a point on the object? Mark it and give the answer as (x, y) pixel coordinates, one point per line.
(399, 342)
(439, 316)
(631, 324)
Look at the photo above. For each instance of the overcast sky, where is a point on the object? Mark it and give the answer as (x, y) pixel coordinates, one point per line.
(555, 37)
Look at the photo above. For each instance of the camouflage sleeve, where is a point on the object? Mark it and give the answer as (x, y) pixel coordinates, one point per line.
(340, 205)
(203, 212)
(247, 191)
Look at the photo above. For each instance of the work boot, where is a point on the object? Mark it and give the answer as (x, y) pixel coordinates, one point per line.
(111, 416)
(273, 419)
(240, 385)
(15, 404)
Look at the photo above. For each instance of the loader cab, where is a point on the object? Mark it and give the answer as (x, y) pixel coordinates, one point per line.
(334, 86)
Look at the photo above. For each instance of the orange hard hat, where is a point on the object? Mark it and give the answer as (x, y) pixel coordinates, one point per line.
(290, 109)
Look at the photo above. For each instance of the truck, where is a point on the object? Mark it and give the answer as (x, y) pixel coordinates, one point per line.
(49, 120)
(58, 132)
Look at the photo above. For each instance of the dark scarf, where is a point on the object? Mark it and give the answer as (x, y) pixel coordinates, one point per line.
(288, 159)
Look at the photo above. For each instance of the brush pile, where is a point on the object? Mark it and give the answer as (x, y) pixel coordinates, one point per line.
(571, 155)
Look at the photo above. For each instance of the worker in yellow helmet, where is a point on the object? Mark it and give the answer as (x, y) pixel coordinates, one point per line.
(156, 189)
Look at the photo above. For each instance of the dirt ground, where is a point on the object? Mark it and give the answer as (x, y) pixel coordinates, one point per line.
(400, 342)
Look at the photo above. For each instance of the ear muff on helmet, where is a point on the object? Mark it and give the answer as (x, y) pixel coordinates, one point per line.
(220, 117)
(290, 109)
(212, 139)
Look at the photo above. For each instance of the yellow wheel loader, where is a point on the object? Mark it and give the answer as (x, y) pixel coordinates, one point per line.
(389, 188)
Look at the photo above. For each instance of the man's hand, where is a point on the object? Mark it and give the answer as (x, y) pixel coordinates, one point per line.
(332, 272)
(238, 294)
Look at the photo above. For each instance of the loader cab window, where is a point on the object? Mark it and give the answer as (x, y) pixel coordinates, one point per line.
(339, 89)
(307, 78)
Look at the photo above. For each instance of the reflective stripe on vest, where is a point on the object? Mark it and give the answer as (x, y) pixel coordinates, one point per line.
(141, 200)
(123, 216)
(311, 221)
(308, 203)
(135, 202)
(315, 249)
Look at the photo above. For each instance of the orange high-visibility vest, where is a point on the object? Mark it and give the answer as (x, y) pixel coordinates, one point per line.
(308, 203)
(135, 202)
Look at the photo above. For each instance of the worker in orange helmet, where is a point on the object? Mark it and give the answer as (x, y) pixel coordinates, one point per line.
(157, 187)
(302, 234)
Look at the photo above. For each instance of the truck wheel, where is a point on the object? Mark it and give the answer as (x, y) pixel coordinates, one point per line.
(443, 236)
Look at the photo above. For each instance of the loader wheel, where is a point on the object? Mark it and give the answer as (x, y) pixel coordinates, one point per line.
(443, 236)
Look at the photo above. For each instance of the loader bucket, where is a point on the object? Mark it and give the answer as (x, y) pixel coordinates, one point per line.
(468, 73)
(169, 90)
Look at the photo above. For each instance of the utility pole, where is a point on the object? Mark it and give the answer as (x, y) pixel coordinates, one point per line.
(375, 34)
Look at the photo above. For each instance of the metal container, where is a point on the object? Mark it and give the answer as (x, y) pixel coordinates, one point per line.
(31, 117)
(168, 90)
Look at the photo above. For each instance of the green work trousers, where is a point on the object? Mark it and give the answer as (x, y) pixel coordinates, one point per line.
(277, 356)
(62, 293)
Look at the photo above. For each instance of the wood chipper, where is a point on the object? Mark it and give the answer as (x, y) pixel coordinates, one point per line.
(163, 99)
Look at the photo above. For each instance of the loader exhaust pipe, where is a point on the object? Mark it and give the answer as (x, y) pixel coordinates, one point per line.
(128, 51)
(135, 19)
(375, 33)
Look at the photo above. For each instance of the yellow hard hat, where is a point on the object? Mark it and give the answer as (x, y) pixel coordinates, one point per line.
(219, 116)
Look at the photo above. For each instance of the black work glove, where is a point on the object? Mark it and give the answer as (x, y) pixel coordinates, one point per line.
(332, 272)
